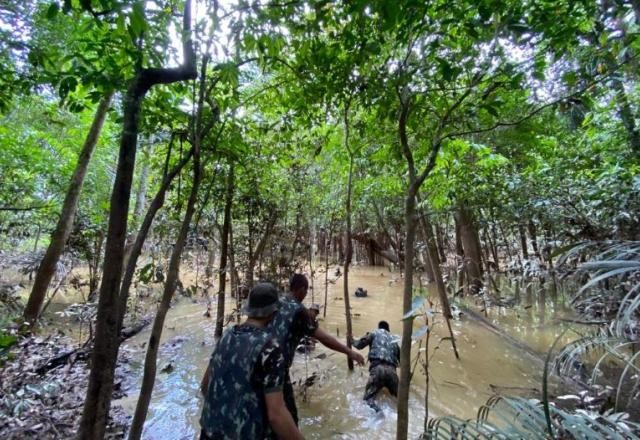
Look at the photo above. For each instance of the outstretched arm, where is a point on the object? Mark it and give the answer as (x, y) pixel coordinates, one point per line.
(330, 342)
(363, 341)
(280, 418)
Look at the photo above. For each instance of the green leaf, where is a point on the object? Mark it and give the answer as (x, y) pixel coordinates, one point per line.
(416, 308)
(570, 78)
(229, 73)
(490, 109)
(138, 23)
(445, 69)
(53, 10)
(7, 341)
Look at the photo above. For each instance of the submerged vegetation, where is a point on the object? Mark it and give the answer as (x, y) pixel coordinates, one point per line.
(458, 143)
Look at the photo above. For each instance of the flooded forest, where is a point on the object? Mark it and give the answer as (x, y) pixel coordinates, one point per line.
(466, 171)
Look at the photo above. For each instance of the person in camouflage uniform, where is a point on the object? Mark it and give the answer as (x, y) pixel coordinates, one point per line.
(384, 357)
(243, 384)
(292, 322)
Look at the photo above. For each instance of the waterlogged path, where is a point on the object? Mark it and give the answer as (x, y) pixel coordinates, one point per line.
(332, 407)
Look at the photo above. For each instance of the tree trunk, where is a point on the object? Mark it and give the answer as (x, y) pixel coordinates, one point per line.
(531, 227)
(105, 352)
(349, 243)
(211, 256)
(326, 264)
(470, 245)
(94, 266)
(440, 234)
(234, 280)
(141, 236)
(425, 250)
(224, 249)
(148, 379)
(460, 260)
(103, 359)
(47, 266)
(407, 324)
(432, 262)
(141, 193)
(493, 238)
(257, 252)
(523, 241)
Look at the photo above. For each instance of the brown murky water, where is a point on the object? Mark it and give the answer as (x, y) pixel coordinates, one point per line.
(332, 406)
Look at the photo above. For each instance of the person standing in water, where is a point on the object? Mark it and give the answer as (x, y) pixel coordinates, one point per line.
(292, 322)
(243, 384)
(384, 357)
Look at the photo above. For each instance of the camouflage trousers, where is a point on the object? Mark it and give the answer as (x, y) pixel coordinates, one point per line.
(380, 376)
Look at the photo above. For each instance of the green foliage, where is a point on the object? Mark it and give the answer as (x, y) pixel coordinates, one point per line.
(522, 418)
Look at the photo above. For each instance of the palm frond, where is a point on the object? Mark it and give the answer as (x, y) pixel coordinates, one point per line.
(524, 418)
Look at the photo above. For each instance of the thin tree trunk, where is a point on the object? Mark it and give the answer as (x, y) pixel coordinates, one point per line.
(148, 379)
(407, 324)
(35, 244)
(534, 238)
(523, 241)
(141, 236)
(424, 234)
(349, 244)
(47, 266)
(326, 264)
(506, 239)
(141, 193)
(432, 261)
(311, 272)
(107, 338)
(234, 280)
(209, 270)
(470, 245)
(224, 249)
(440, 241)
(259, 249)
(493, 238)
(94, 272)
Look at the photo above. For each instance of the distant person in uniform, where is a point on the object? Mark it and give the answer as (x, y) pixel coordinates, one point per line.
(294, 321)
(384, 357)
(243, 384)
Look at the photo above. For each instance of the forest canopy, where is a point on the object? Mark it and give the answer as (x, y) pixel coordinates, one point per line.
(442, 139)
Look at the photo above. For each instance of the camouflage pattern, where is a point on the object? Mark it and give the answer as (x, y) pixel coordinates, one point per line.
(291, 323)
(383, 347)
(380, 376)
(246, 364)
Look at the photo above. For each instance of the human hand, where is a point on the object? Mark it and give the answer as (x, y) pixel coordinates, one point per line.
(356, 357)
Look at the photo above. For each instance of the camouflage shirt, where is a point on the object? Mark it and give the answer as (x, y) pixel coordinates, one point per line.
(383, 347)
(291, 323)
(246, 364)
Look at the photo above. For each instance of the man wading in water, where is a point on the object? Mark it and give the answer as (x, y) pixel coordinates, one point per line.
(384, 356)
(243, 384)
(292, 322)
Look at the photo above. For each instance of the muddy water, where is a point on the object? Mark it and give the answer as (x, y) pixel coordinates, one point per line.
(332, 406)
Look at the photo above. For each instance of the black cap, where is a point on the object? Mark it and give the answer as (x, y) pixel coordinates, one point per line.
(262, 301)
